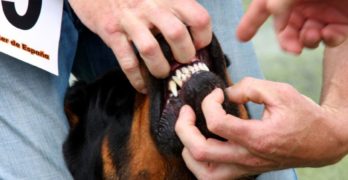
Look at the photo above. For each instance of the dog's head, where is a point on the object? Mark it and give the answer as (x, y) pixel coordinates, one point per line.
(118, 133)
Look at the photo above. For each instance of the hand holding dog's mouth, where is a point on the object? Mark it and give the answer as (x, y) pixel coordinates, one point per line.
(187, 84)
(122, 24)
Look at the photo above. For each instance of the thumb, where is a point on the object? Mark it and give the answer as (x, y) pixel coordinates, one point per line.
(254, 90)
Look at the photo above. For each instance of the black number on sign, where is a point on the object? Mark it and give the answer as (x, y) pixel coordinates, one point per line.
(28, 20)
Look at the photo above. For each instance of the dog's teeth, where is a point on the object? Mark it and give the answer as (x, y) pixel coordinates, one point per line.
(201, 66)
(185, 70)
(184, 77)
(178, 74)
(192, 69)
(172, 88)
(196, 67)
(205, 67)
(177, 81)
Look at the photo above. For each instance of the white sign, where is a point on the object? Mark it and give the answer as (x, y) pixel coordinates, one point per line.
(30, 31)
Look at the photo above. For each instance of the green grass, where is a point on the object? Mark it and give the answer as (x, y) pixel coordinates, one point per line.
(304, 72)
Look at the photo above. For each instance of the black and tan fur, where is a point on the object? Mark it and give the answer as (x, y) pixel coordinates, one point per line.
(117, 133)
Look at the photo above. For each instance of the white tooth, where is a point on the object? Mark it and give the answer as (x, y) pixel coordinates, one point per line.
(200, 65)
(172, 88)
(205, 67)
(177, 80)
(178, 74)
(185, 70)
(189, 76)
(196, 67)
(185, 77)
(192, 69)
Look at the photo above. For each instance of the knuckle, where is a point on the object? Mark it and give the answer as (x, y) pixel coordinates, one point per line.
(177, 32)
(109, 27)
(285, 88)
(138, 84)
(254, 163)
(129, 66)
(203, 19)
(199, 153)
(272, 6)
(262, 145)
(148, 49)
(159, 69)
(247, 80)
(214, 124)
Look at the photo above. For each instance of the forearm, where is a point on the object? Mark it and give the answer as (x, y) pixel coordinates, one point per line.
(334, 97)
(335, 78)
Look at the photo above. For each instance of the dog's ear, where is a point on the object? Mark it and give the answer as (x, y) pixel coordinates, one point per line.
(75, 102)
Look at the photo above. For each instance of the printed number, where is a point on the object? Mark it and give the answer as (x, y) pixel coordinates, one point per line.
(28, 20)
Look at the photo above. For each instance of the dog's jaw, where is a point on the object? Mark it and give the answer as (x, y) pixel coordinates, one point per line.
(187, 84)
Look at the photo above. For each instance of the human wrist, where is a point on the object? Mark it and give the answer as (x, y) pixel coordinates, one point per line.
(337, 120)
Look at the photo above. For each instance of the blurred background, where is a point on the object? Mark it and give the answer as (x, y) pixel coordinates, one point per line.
(304, 72)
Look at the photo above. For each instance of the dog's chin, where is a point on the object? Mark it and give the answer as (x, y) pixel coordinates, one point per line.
(192, 93)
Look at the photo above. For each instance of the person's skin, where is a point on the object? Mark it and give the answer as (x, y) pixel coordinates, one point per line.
(298, 23)
(294, 131)
(121, 23)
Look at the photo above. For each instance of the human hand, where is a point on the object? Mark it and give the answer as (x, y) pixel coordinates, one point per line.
(298, 23)
(293, 132)
(123, 22)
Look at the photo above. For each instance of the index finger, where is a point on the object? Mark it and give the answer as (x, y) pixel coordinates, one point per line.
(252, 20)
(203, 149)
(257, 14)
(225, 125)
(198, 19)
(128, 61)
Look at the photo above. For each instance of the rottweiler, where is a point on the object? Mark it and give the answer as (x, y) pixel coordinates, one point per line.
(117, 133)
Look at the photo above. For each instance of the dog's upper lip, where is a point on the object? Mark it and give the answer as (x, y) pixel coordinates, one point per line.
(175, 64)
